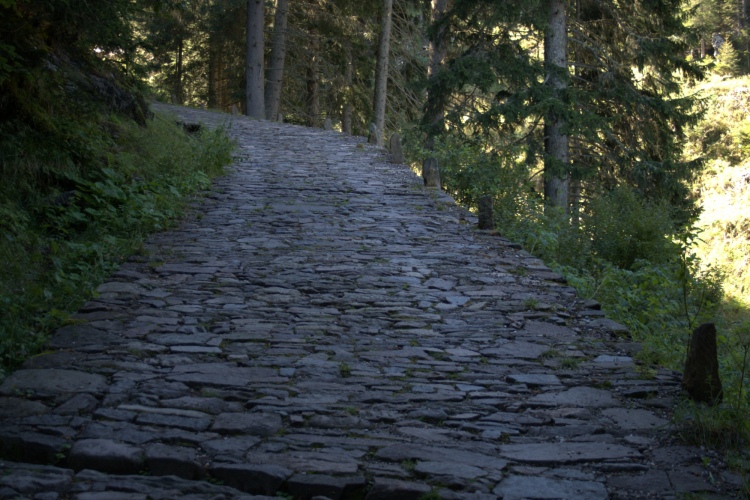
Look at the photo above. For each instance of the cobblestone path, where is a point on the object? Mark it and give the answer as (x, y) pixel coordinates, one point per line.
(323, 326)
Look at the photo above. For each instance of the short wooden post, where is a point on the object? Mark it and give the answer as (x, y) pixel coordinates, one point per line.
(701, 378)
(486, 213)
(431, 173)
(374, 137)
(397, 152)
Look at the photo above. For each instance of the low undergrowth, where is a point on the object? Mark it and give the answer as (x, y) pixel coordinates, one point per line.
(68, 219)
(629, 254)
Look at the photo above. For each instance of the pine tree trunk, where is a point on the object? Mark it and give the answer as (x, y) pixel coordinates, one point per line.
(313, 94)
(213, 72)
(435, 111)
(381, 69)
(254, 61)
(555, 141)
(178, 82)
(276, 60)
(346, 115)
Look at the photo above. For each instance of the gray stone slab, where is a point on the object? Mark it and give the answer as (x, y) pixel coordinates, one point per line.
(548, 330)
(106, 456)
(575, 396)
(451, 469)
(533, 379)
(322, 461)
(30, 446)
(253, 424)
(527, 487)
(52, 382)
(83, 335)
(325, 486)
(180, 461)
(610, 325)
(653, 482)
(251, 478)
(513, 350)
(566, 453)
(402, 452)
(635, 419)
(690, 480)
(17, 407)
(396, 489)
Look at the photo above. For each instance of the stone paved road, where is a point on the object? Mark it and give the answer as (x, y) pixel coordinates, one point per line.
(325, 327)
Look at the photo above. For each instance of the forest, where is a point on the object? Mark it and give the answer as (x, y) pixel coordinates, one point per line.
(612, 137)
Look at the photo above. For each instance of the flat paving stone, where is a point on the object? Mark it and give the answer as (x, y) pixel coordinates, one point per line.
(525, 487)
(52, 382)
(567, 453)
(576, 396)
(321, 325)
(106, 456)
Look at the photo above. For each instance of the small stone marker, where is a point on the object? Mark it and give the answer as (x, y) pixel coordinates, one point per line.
(701, 378)
(235, 110)
(397, 152)
(374, 137)
(328, 124)
(486, 216)
(430, 173)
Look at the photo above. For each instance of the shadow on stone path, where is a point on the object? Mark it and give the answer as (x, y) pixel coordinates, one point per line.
(323, 326)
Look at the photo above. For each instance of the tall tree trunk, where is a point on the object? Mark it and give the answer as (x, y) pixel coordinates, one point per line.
(254, 61)
(214, 73)
(381, 69)
(555, 141)
(346, 115)
(435, 110)
(178, 83)
(313, 94)
(276, 60)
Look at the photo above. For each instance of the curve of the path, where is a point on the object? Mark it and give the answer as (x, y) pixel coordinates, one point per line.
(324, 326)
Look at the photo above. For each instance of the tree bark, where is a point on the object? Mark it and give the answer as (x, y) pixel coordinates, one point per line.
(178, 83)
(214, 72)
(435, 109)
(346, 115)
(313, 94)
(254, 61)
(381, 69)
(276, 60)
(555, 141)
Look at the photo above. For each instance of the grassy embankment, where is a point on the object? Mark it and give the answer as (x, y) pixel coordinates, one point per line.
(72, 209)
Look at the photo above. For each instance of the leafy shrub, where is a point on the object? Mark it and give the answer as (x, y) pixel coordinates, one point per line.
(624, 228)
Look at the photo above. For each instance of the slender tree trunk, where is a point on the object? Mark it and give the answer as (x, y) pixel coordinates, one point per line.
(381, 69)
(555, 141)
(178, 83)
(214, 53)
(254, 61)
(435, 110)
(346, 115)
(276, 60)
(313, 94)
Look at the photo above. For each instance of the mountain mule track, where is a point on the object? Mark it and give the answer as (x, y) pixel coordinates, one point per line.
(322, 325)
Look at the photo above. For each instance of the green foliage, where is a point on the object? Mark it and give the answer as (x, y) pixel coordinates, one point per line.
(727, 60)
(59, 245)
(625, 228)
